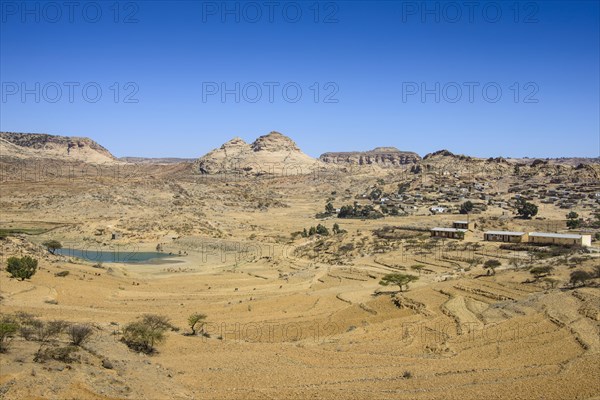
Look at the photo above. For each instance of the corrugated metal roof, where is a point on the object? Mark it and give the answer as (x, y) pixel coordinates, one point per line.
(510, 233)
(555, 235)
(448, 230)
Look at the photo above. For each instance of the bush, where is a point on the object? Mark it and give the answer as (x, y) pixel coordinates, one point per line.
(8, 328)
(196, 319)
(80, 334)
(580, 276)
(61, 274)
(144, 334)
(21, 268)
(62, 354)
(539, 272)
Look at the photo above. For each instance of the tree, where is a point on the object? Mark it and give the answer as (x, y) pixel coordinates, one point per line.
(573, 220)
(466, 207)
(322, 230)
(572, 215)
(579, 276)
(398, 279)
(418, 268)
(491, 265)
(539, 272)
(551, 282)
(52, 245)
(329, 208)
(525, 209)
(8, 329)
(144, 334)
(196, 319)
(21, 268)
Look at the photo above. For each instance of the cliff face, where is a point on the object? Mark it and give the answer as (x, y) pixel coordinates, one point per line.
(385, 157)
(39, 145)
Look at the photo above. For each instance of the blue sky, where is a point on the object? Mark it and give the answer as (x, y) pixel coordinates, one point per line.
(420, 76)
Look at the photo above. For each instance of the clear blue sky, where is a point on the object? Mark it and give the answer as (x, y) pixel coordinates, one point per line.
(373, 58)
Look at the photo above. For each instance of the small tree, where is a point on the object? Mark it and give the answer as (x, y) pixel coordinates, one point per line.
(322, 230)
(466, 207)
(539, 272)
(525, 209)
(573, 220)
(144, 334)
(52, 245)
(580, 276)
(491, 265)
(551, 282)
(21, 268)
(8, 329)
(418, 268)
(196, 319)
(329, 208)
(398, 279)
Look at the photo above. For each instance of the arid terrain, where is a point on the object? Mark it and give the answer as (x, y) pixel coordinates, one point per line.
(291, 315)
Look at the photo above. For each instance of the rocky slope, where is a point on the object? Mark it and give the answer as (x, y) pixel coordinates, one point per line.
(269, 154)
(35, 145)
(382, 156)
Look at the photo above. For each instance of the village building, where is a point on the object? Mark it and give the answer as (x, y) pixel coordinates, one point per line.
(448, 233)
(563, 239)
(468, 225)
(505, 236)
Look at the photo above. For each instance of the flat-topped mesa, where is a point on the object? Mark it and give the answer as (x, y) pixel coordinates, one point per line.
(41, 145)
(274, 141)
(382, 156)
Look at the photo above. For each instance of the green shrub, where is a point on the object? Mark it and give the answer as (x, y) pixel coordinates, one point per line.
(8, 328)
(21, 268)
(144, 334)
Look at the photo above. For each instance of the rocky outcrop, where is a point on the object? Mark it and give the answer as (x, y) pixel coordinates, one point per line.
(273, 154)
(382, 156)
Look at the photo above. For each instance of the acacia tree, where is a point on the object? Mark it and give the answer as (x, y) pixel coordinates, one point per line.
(491, 265)
(398, 279)
(540, 272)
(52, 245)
(580, 276)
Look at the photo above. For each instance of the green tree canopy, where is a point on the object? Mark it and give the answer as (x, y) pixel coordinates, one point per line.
(21, 268)
(401, 280)
(52, 245)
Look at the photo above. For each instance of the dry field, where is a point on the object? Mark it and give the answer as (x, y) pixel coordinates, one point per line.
(286, 318)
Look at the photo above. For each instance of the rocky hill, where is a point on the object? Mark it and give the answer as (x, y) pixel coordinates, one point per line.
(269, 154)
(37, 145)
(381, 156)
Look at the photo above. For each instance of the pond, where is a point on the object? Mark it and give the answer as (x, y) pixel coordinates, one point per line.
(112, 255)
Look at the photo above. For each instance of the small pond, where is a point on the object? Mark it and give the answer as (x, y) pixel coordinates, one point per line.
(125, 255)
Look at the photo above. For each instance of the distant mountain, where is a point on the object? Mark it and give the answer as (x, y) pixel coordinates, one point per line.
(269, 154)
(384, 157)
(39, 145)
